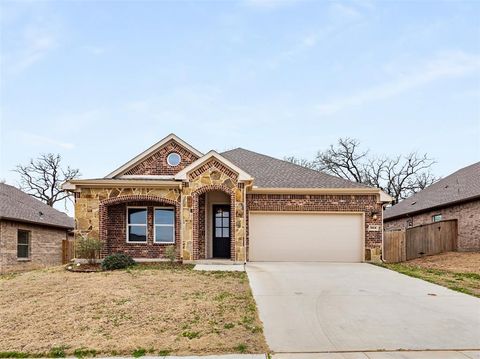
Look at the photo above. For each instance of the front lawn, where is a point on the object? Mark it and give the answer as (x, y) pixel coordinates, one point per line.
(143, 310)
(459, 271)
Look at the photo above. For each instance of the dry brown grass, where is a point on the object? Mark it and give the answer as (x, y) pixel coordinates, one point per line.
(459, 271)
(175, 310)
(458, 262)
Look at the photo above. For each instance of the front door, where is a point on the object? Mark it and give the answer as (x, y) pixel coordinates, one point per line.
(221, 231)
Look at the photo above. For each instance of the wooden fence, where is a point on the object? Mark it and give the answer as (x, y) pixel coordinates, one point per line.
(424, 240)
(68, 250)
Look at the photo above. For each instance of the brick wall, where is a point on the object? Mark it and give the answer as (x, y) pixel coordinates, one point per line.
(116, 232)
(45, 246)
(467, 215)
(323, 203)
(156, 163)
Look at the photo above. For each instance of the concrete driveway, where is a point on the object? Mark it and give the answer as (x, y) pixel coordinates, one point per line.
(322, 307)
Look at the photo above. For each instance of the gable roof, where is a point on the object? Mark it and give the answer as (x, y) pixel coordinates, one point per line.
(20, 206)
(271, 172)
(460, 186)
(151, 150)
(242, 175)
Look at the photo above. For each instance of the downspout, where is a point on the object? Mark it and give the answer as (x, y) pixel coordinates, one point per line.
(181, 222)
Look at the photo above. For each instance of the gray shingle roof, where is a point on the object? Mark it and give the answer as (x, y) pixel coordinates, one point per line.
(269, 172)
(17, 205)
(460, 186)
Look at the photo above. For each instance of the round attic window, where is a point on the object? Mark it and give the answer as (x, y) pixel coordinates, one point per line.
(173, 159)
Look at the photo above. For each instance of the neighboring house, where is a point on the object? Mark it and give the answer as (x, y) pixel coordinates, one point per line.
(454, 197)
(237, 205)
(31, 233)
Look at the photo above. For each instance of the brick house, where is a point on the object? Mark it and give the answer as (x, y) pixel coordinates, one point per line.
(456, 196)
(31, 233)
(237, 205)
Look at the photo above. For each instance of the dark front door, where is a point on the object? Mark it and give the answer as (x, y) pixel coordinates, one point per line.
(221, 231)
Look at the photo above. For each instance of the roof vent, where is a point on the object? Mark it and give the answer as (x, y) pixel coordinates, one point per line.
(40, 213)
(413, 203)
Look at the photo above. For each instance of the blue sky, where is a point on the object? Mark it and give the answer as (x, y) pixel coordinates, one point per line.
(98, 82)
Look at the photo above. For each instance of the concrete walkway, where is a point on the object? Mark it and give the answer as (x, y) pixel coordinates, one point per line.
(357, 307)
(384, 355)
(357, 355)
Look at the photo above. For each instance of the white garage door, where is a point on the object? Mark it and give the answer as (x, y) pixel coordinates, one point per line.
(305, 237)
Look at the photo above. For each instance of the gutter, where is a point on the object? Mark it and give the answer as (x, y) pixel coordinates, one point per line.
(383, 197)
(73, 185)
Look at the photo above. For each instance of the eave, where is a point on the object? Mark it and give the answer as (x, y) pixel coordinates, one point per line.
(73, 185)
(431, 208)
(383, 197)
(20, 220)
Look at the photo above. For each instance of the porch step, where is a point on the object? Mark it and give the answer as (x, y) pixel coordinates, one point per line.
(214, 262)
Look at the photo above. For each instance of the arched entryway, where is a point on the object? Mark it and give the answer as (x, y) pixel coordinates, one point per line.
(214, 223)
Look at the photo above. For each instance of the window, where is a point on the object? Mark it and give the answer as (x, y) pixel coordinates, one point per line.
(136, 224)
(23, 244)
(173, 159)
(164, 225)
(437, 218)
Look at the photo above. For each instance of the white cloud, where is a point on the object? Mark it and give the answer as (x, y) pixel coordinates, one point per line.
(450, 65)
(35, 139)
(344, 10)
(31, 30)
(35, 43)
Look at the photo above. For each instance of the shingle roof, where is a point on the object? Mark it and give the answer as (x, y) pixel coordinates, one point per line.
(17, 205)
(460, 186)
(269, 172)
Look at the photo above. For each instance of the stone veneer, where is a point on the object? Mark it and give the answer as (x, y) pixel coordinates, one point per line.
(212, 176)
(45, 246)
(98, 214)
(467, 215)
(325, 203)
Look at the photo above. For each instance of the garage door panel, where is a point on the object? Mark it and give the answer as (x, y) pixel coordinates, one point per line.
(305, 237)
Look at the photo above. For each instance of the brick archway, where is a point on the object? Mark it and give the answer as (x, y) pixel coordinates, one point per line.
(196, 217)
(144, 199)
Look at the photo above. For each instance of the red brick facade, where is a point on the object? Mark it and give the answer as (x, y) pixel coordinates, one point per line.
(156, 163)
(213, 164)
(113, 227)
(468, 217)
(323, 203)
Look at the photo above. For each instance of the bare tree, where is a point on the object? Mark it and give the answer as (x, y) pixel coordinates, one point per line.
(400, 176)
(42, 178)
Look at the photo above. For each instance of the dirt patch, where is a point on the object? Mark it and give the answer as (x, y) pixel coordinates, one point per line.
(146, 308)
(458, 262)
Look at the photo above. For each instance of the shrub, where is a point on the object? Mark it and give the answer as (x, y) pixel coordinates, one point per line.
(88, 248)
(170, 253)
(117, 261)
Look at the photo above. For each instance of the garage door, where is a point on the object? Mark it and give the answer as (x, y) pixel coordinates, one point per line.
(305, 237)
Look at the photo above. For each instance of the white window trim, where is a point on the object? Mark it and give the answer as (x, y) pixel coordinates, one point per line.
(437, 215)
(29, 245)
(163, 225)
(136, 225)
